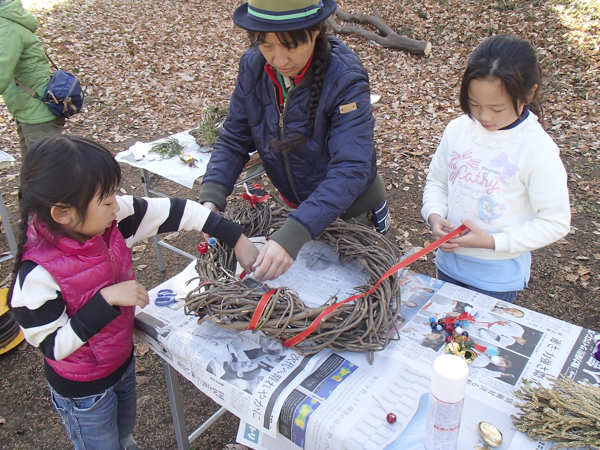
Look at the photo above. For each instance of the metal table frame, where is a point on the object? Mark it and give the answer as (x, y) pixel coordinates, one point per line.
(175, 400)
(10, 237)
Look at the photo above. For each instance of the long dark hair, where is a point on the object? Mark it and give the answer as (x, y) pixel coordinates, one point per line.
(62, 169)
(514, 62)
(292, 39)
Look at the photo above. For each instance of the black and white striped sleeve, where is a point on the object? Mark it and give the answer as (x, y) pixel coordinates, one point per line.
(140, 218)
(41, 312)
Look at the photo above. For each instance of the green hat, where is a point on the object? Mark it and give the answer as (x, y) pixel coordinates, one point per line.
(272, 16)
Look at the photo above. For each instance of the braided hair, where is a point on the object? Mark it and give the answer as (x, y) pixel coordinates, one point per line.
(320, 60)
(63, 169)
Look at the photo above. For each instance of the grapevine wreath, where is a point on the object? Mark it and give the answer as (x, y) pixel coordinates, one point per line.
(357, 325)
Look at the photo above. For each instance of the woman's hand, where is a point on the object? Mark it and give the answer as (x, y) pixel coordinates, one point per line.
(272, 262)
(245, 252)
(475, 237)
(440, 228)
(127, 293)
(214, 209)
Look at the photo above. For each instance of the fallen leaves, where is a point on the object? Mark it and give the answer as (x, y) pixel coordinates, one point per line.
(141, 348)
(572, 277)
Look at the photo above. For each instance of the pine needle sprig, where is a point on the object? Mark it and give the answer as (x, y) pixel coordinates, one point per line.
(168, 148)
(568, 413)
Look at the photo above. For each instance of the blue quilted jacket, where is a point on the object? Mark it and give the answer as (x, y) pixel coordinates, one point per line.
(324, 176)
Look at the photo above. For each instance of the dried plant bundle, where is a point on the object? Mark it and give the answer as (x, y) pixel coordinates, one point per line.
(568, 413)
(355, 326)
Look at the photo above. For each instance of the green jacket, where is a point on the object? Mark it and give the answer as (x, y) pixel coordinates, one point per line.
(22, 56)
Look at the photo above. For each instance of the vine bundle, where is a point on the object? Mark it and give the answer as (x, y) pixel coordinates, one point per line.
(355, 326)
(568, 413)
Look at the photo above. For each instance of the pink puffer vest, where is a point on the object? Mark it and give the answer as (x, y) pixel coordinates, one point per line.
(81, 270)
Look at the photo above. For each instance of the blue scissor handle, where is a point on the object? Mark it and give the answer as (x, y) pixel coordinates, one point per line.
(165, 297)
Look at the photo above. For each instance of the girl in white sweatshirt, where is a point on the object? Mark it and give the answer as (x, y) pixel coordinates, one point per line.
(498, 172)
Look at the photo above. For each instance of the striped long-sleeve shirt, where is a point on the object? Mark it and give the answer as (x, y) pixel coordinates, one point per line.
(38, 304)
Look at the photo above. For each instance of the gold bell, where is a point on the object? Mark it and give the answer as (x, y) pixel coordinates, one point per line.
(490, 434)
(468, 355)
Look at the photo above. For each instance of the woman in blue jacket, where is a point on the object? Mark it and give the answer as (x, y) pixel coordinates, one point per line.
(302, 100)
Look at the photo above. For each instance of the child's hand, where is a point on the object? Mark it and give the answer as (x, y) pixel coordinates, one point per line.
(245, 252)
(440, 228)
(127, 293)
(214, 209)
(474, 238)
(272, 262)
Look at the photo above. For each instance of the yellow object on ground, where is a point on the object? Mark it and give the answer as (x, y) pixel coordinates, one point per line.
(8, 342)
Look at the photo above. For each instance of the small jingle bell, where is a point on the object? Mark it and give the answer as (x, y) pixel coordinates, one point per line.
(490, 434)
(468, 356)
(449, 339)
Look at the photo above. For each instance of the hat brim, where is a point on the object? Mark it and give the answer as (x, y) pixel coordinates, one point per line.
(243, 20)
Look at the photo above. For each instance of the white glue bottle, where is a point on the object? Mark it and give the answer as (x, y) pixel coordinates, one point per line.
(446, 399)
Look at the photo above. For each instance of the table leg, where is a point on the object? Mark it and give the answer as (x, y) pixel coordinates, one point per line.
(10, 237)
(176, 407)
(175, 400)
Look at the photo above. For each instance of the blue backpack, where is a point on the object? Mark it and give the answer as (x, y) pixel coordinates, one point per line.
(63, 94)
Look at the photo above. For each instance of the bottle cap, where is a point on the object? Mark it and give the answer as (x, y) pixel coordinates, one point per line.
(449, 379)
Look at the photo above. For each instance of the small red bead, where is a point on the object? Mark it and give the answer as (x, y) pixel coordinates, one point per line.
(202, 247)
(391, 418)
(449, 339)
(449, 328)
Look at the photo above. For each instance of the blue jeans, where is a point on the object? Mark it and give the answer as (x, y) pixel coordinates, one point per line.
(508, 297)
(103, 421)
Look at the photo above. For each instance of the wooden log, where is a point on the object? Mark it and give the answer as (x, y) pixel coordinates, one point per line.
(388, 37)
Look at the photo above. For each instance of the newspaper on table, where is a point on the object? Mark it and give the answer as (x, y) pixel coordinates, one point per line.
(338, 400)
(140, 156)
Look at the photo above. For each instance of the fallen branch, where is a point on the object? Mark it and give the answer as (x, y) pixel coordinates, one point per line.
(388, 37)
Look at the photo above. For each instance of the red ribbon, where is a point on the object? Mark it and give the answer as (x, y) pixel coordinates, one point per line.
(254, 198)
(260, 309)
(395, 268)
(464, 316)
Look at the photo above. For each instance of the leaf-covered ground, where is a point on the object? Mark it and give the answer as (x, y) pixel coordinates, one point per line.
(150, 69)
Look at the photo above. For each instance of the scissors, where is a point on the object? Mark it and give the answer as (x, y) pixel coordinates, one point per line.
(165, 297)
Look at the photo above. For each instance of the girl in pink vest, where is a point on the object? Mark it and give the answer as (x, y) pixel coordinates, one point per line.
(74, 293)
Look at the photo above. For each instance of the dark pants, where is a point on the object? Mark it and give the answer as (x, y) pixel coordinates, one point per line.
(29, 133)
(508, 297)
